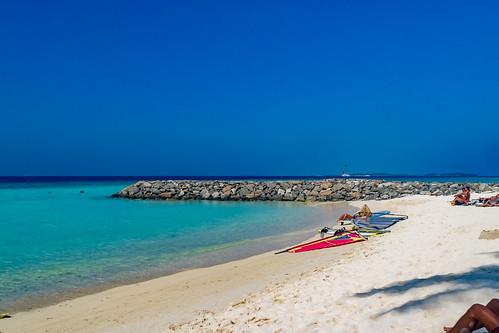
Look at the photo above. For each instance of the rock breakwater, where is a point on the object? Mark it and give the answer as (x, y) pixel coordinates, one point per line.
(292, 190)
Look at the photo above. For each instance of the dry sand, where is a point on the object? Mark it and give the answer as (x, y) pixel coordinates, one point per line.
(419, 277)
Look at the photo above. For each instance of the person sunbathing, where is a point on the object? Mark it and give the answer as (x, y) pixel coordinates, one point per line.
(344, 218)
(476, 317)
(364, 212)
(462, 198)
(493, 201)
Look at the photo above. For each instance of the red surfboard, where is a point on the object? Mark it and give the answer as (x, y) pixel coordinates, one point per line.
(332, 241)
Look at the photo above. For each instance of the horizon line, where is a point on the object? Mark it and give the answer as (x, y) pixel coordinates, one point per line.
(432, 175)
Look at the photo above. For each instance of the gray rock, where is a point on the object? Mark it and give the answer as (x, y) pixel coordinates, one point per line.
(326, 190)
(205, 194)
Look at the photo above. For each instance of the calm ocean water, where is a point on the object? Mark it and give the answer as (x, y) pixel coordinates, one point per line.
(57, 242)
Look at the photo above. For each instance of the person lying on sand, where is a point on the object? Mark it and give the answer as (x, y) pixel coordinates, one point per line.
(364, 212)
(476, 317)
(462, 198)
(344, 218)
(493, 201)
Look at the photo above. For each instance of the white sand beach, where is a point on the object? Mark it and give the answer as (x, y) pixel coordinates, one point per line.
(421, 276)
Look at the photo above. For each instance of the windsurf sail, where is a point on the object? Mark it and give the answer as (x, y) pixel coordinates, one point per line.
(332, 241)
(377, 223)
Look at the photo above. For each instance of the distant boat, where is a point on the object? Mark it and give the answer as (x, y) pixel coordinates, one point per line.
(345, 173)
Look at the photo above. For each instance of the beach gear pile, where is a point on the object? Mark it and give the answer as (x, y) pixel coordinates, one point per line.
(351, 229)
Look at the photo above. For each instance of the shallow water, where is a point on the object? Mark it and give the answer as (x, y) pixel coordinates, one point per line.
(56, 241)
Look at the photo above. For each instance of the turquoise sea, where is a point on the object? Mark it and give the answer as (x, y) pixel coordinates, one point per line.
(57, 242)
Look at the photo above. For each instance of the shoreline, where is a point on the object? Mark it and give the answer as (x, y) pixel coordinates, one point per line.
(418, 278)
(194, 290)
(288, 291)
(219, 255)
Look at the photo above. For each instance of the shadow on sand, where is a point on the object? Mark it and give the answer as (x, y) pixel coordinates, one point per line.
(495, 254)
(482, 277)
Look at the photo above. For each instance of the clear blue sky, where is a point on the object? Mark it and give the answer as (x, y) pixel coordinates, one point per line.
(253, 88)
